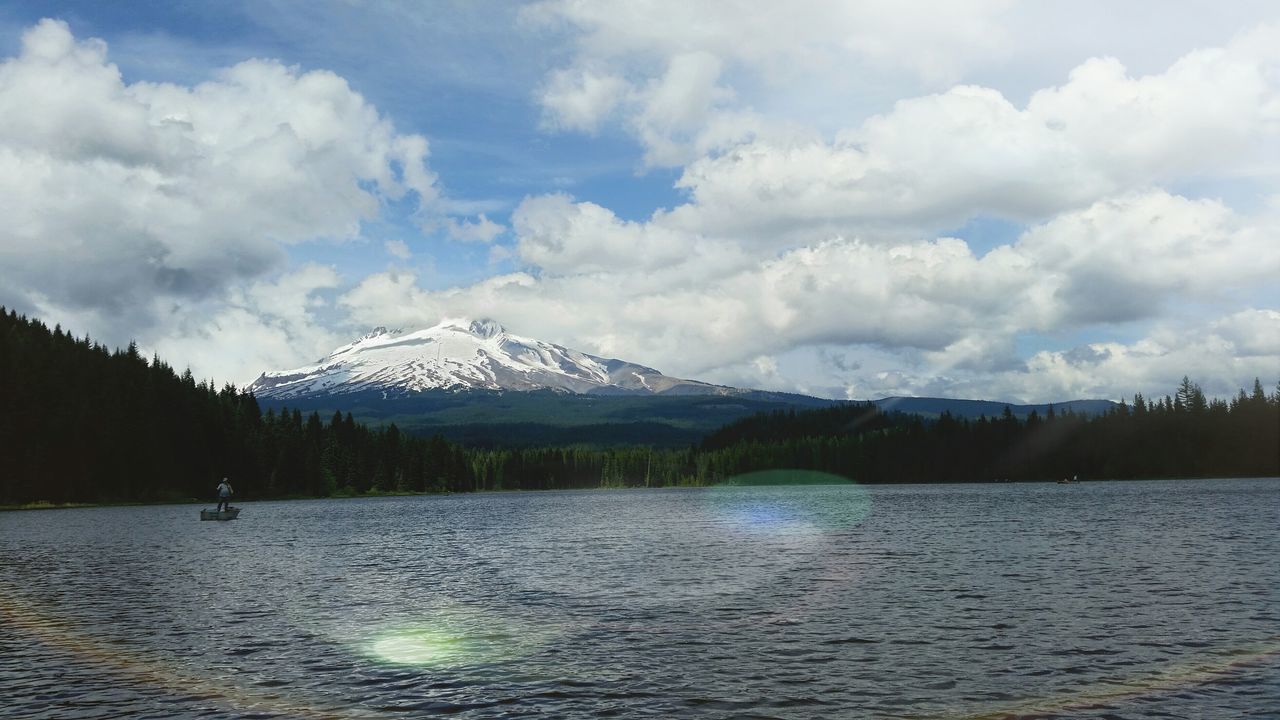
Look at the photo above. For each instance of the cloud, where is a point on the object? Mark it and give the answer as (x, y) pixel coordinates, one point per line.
(930, 162)
(579, 99)
(561, 236)
(1152, 363)
(941, 318)
(790, 40)
(675, 110)
(398, 249)
(394, 298)
(792, 244)
(1157, 362)
(895, 296)
(267, 324)
(831, 65)
(1252, 333)
(480, 230)
(122, 201)
(729, 93)
(1126, 258)
(664, 68)
(1205, 114)
(938, 160)
(823, 152)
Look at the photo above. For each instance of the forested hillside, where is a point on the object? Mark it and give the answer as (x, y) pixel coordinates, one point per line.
(82, 423)
(549, 418)
(85, 424)
(1184, 435)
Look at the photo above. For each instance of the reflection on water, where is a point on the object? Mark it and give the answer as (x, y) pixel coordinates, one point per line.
(801, 600)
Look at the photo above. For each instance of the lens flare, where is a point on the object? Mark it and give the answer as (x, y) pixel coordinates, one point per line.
(689, 543)
(419, 647)
(789, 502)
(450, 641)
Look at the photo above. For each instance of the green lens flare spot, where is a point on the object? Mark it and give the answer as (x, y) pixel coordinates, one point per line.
(789, 502)
(420, 647)
(445, 644)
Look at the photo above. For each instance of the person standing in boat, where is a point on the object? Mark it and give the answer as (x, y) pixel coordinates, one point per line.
(224, 495)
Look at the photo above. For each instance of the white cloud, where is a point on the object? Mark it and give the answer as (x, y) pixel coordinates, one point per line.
(398, 249)
(661, 67)
(480, 230)
(831, 65)
(1204, 115)
(579, 99)
(1154, 364)
(561, 236)
(123, 201)
(936, 161)
(676, 108)
(1127, 258)
(266, 325)
(791, 243)
(1252, 333)
(824, 148)
(391, 298)
(838, 292)
(791, 39)
(948, 318)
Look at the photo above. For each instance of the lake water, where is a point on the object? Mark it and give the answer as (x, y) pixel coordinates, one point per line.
(1092, 600)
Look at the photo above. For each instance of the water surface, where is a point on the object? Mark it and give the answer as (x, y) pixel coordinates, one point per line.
(1094, 600)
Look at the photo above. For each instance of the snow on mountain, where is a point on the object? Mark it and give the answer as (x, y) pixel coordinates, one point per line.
(460, 355)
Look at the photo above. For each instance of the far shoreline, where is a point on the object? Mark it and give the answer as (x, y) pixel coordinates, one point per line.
(45, 505)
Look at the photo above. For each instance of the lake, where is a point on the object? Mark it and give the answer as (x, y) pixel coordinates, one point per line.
(1090, 600)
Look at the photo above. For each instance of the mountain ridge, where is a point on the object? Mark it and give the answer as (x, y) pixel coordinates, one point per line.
(973, 409)
(474, 381)
(468, 355)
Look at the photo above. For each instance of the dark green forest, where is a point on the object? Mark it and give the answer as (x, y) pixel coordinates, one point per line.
(82, 423)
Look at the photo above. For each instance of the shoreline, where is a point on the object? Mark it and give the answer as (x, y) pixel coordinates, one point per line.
(45, 505)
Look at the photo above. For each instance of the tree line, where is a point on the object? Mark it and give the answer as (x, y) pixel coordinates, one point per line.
(1181, 435)
(82, 423)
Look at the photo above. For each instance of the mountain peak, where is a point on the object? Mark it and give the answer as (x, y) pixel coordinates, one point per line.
(486, 328)
(460, 354)
(378, 332)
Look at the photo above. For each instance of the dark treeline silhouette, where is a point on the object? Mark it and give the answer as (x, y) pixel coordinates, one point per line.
(81, 423)
(1184, 435)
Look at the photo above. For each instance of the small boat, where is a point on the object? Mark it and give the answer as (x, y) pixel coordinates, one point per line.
(229, 514)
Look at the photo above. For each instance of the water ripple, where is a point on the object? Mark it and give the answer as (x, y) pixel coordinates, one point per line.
(996, 601)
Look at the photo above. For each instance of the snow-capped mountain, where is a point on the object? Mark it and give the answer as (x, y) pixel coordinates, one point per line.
(462, 355)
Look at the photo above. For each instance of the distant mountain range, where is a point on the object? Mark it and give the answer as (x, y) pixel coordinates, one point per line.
(475, 382)
(973, 409)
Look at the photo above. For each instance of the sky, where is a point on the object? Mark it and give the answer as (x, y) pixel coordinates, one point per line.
(1027, 202)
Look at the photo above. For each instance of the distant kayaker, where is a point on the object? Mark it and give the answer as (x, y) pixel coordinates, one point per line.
(224, 495)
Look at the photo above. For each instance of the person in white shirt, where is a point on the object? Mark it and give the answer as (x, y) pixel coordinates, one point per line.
(224, 495)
